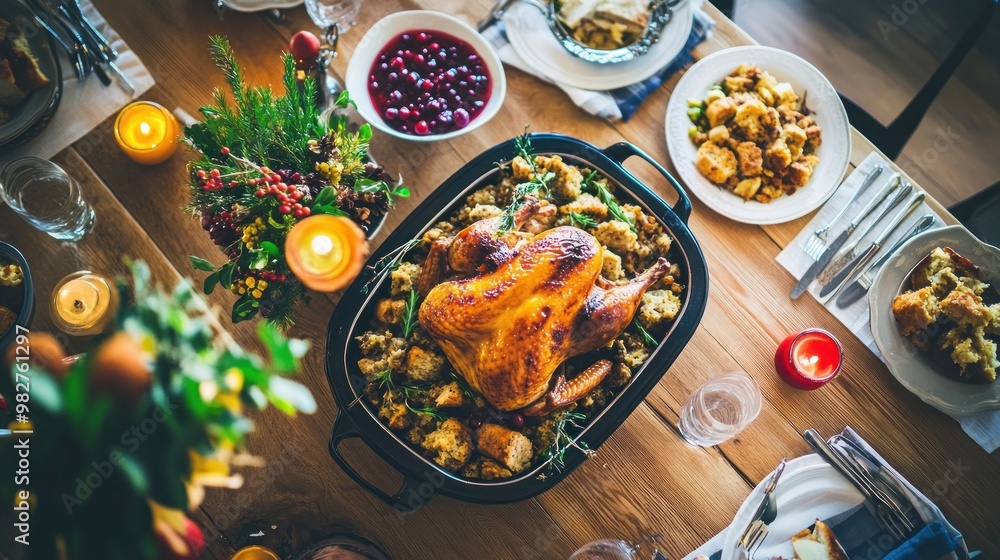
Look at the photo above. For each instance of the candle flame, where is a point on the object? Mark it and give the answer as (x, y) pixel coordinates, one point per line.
(144, 127)
(808, 361)
(322, 245)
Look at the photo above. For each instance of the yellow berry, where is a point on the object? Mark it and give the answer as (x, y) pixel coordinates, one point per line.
(250, 281)
(262, 284)
(256, 294)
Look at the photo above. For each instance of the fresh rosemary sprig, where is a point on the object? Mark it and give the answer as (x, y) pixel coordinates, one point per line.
(426, 410)
(647, 338)
(389, 262)
(522, 147)
(410, 320)
(616, 211)
(539, 184)
(462, 384)
(581, 220)
(385, 381)
(555, 453)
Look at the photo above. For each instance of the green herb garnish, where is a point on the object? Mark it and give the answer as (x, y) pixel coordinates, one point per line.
(410, 320)
(616, 211)
(581, 220)
(647, 338)
(555, 453)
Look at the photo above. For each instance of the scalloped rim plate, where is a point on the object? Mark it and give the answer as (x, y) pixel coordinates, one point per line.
(258, 5)
(533, 41)
(41, 101)
(834, 153)
(911, 368)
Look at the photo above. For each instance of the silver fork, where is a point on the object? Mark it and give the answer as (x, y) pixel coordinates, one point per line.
(816, 243)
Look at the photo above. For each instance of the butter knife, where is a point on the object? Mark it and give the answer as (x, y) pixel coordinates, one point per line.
(854, 253)
(758, 517)
(848, 253)
(859, 287)
(915, 201)
(835, 246)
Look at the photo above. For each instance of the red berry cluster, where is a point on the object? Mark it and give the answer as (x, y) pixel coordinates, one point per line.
(212, 181)
(269, 276)
(289, 195)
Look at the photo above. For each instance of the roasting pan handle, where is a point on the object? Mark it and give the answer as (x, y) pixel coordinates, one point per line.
(412, 495)
(623, 150)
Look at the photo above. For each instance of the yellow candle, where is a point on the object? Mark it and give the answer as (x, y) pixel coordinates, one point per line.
(254, 552)
(326, 252)
(83, 303)
(146, 132)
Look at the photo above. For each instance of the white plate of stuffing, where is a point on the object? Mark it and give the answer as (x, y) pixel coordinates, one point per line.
(532, 40)
(824, 107)
(913, 369)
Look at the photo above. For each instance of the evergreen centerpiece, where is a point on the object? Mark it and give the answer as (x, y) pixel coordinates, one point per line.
(127, 437)
(264, 163)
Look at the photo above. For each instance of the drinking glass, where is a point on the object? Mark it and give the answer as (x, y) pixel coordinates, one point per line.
(334, 17)
(47, 197)
(720, 409)
(616, 549)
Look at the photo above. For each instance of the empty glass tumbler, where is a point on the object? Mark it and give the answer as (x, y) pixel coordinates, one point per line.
(720, 409)
(327, 13)
(47, 197)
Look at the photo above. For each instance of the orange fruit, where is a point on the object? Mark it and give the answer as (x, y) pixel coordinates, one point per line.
(43, 351)
(121, 368)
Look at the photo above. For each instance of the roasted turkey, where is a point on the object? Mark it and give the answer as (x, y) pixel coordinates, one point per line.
(516, 305)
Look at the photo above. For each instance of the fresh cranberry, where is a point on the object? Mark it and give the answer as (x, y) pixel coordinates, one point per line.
(427, 82)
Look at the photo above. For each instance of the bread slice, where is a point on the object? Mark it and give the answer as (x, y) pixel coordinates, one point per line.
(630, 13)
(10, 93)
(24, 65)
(820, 544)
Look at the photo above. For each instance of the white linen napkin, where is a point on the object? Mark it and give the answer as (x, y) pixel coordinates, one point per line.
(86, 104)
(983, 427)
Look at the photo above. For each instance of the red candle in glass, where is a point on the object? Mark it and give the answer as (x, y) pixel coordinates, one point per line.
(808, 360)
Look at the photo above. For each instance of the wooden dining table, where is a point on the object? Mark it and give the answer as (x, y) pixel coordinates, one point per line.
(645, 480)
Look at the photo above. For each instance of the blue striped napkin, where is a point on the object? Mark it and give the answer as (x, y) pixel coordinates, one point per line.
(616, 104)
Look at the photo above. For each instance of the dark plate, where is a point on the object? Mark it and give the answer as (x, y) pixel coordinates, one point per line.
(422, 478)
(22, 297)
(36, 110)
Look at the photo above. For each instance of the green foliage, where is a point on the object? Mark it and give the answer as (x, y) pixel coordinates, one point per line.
(604, 195)
(647, 338)
(129, 455)
(581, 220)
(555, 453)
(410, 321)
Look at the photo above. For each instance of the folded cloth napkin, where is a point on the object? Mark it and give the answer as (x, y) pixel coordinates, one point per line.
(982, 427)
(858, 532)
(616, 104)
(86, 104)
(931, 543)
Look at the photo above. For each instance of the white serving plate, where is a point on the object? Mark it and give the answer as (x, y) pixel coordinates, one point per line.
(532, 40)
(808, 489)
(259, 5)
(911, 368)
(834, 153)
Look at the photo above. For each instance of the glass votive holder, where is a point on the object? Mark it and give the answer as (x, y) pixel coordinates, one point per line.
(83, 303)
(147, 132)
(808, 360)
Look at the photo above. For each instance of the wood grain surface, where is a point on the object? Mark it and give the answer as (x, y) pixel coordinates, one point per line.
(645, 479)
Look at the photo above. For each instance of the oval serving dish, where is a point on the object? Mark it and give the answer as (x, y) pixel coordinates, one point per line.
(24, 295)
(424, 479)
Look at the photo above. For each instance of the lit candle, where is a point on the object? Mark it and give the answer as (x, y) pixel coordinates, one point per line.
(326, 252)
(808, 360)
(255, 552)
(146, 132)
(83, 303)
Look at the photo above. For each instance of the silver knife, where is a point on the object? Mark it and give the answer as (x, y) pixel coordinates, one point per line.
(854, 253)
(848, 253)
(834, 246)
(760, 511)
(915, 201)
(859, 287)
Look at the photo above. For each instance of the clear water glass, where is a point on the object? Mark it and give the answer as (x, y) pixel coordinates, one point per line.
(327, 13)
(47, 197)
(720, 409)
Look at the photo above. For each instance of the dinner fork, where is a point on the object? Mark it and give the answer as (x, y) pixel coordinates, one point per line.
(816, 244)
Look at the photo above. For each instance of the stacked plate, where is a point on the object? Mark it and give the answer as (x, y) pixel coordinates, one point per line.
(532, 39)
(32, 114)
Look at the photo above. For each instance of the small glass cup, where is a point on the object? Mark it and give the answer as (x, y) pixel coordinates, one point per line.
(720, 409)
(47, 197)
(329, 13)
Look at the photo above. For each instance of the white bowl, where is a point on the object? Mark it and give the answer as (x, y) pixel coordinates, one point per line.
(834, 153)
(911, 368)
(390, 27)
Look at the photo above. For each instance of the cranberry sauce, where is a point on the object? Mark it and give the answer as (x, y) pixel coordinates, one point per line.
(428, 82)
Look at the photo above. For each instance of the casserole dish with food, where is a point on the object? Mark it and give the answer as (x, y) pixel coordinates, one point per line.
(361, 416)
